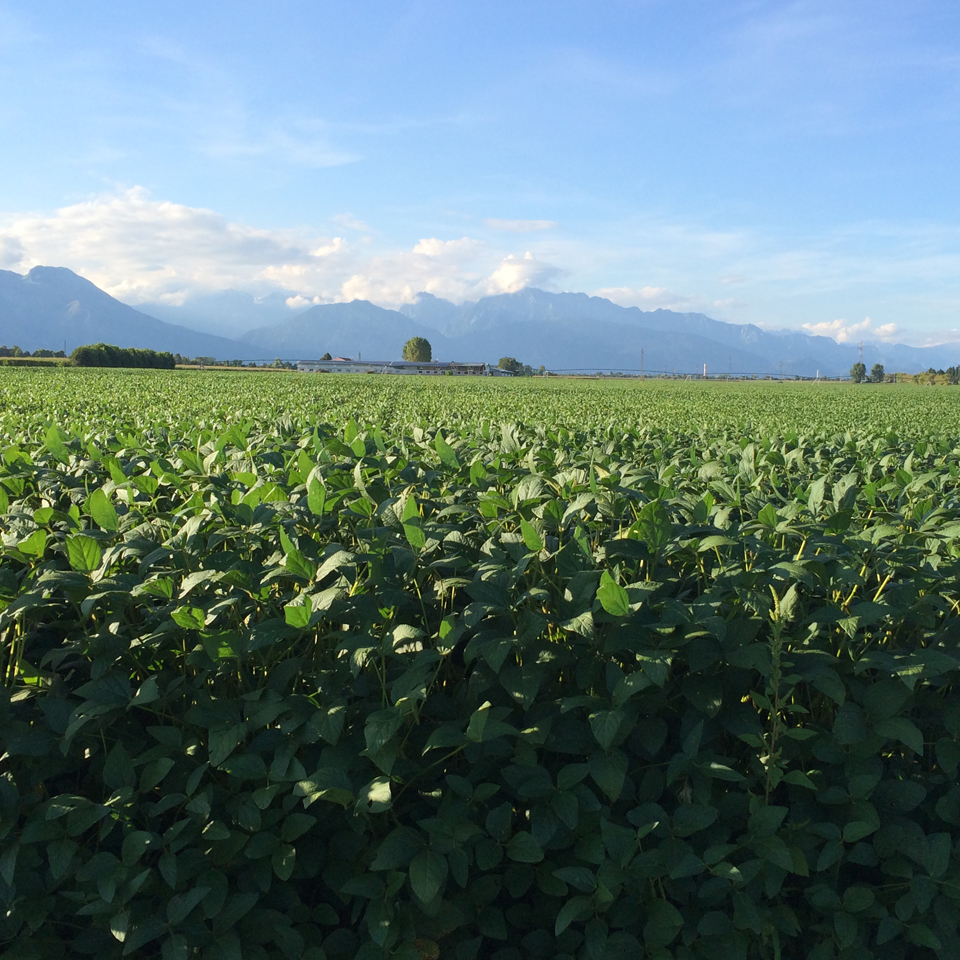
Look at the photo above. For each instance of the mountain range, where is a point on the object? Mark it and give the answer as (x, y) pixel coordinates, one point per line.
(53, 307)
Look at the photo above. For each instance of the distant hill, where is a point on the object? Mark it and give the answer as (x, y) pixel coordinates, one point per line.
(573, 330)
(227, 313)
(52, 307)
(349, 329)
(562, 331)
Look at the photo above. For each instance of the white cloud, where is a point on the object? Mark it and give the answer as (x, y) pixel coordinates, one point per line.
(325, 249)
(519, 226)
(513, 274)
(143, 250)
(843, 331)
(447, 249)
(295, 303)
(140, 249)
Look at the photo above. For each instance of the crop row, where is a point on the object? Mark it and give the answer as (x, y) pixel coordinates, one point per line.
(184, 402)
(284, 679)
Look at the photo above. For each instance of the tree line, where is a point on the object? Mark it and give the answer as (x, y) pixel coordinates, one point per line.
(858, 373)
(15, 351)
(109, 355)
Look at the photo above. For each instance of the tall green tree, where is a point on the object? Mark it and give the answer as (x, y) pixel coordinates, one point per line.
(418, 349)
(858, 373)
(876, 373)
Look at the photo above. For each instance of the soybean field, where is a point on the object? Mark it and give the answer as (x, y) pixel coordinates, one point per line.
(324, 667)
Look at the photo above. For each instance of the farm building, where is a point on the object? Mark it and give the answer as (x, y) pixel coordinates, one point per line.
(435, 367)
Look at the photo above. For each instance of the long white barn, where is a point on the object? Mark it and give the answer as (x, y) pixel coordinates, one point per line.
(434, 367)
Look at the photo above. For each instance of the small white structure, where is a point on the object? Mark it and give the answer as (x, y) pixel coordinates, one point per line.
(430, 367)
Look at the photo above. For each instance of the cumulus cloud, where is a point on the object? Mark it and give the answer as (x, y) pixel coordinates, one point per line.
(325, 249)
(513, 274)
(519, 226)
(448, 249)
(298, 301)
(843, 331)
(457, 270)
(137, 248)
(141, 250)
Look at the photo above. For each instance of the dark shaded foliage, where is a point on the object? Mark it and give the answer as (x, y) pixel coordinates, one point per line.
(108, 355)
(512, 693)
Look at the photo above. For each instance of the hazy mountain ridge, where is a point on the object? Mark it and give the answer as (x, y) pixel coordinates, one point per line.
(228, 313)
(671, 341)
(52, 306)
(358, 328)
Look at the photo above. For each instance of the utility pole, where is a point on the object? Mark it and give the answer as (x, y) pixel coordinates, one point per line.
(641, 363)
(860, 357)
(781, 369)
(704, 371)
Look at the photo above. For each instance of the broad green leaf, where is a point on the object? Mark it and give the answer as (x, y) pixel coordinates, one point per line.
(609, 773)
(574, 909)
(376, 796)
(579, 877)
(415, 535)
(448, 455)
(397, 849)
(663, 923)
(99, 507)
(531, 538)
(612, 596)
(316, 496)
(605, 725)
(326, 783)
(768, 516)
(428, 871)
(190, 618)
(54, 443)
(83, 553)
(180, 905)
(653, 526)
(35, 545)
(936, 858)
(904, 730)
(298, 613)
(524, 849)
(283, 859)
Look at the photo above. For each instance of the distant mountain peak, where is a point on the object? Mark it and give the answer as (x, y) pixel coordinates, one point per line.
(53, 307)
(563, 331)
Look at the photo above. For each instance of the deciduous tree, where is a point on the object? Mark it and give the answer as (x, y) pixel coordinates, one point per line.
(418, 349)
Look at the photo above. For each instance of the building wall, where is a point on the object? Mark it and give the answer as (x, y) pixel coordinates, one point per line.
(394, 367)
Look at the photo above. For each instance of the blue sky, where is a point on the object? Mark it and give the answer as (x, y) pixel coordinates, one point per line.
(792, 164)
